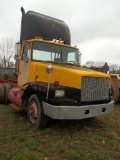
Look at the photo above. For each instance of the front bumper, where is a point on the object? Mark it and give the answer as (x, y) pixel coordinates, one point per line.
(77, 112)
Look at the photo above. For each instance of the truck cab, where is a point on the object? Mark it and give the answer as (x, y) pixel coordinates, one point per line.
(36, 53)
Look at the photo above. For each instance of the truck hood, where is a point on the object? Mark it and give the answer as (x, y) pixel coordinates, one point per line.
(67, 75)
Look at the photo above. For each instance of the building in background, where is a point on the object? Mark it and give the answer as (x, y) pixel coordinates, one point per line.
(98, 66)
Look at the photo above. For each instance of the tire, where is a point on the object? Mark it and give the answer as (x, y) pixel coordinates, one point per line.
(7, 87)
(2, 93)
(115, 91)
(35, 112)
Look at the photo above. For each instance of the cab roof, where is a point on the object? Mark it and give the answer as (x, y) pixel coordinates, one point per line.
(34, 24)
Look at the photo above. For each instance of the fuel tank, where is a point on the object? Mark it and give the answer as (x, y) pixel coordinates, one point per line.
(15, 96)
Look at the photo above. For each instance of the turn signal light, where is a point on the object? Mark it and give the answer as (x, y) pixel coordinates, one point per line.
(56, 83)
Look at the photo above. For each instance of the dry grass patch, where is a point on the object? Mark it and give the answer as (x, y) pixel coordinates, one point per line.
(96, 139)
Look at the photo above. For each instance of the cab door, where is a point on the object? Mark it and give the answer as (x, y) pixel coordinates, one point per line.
(24, 66)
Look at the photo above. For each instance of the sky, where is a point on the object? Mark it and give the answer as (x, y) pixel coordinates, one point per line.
(94, 24)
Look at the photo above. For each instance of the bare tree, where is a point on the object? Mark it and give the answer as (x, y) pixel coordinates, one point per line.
(113, 68)
(6, 52)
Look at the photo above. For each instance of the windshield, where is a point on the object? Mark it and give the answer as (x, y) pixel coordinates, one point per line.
(54, 53)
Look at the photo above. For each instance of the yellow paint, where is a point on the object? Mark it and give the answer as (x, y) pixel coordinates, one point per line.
(67, 75)
(23, 76)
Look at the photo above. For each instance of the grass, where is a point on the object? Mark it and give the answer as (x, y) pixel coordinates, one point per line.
(96, 139)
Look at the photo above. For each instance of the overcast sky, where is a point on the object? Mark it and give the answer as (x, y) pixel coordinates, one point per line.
(94, 24)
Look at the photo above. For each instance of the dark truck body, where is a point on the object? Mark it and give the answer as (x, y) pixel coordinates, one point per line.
(38, 25)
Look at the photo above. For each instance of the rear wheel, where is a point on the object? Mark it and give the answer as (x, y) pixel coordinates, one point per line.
(7, 87)
(2, 93)
(35, 112)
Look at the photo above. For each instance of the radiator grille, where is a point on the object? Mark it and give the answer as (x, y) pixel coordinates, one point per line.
(94, 89)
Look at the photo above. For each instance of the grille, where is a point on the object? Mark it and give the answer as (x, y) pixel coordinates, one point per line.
(94, 89)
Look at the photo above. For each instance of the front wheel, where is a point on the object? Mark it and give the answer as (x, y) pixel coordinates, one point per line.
(35, 112)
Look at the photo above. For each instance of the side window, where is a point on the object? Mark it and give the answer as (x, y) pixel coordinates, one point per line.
(26, 52)
(71, 57)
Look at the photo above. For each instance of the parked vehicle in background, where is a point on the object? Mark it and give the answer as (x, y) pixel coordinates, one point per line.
(115, 85)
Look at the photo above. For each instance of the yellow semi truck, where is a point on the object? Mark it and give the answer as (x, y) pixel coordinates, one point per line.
(51, 83)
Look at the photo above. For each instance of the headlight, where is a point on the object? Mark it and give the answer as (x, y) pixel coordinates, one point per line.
(59, 93)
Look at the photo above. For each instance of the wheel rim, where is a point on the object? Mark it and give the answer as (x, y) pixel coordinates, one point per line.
(33, 112)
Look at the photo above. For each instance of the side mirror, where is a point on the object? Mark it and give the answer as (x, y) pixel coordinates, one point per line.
(80, 54)
(49, 68)
(17, 48)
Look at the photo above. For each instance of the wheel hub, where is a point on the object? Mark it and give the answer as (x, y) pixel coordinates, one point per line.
(33, 112)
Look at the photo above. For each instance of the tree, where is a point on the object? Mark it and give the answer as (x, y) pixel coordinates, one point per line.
(7, 51)
(114, 68)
